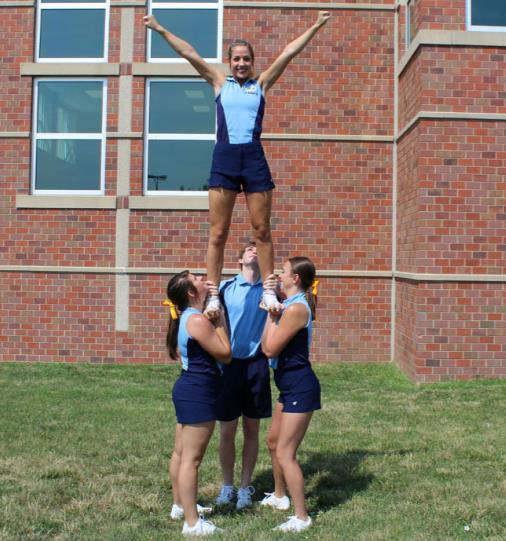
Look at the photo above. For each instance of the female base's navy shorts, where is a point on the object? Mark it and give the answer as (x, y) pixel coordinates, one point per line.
(299, 390)
(194, 397)
(245, 389)
(240, 167)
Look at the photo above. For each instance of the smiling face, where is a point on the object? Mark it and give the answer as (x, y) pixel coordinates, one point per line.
(241, 63)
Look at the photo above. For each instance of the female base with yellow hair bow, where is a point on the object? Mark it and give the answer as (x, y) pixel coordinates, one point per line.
(287, 340)
(199, 344)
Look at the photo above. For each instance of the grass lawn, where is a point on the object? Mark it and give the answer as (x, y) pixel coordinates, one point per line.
(84, 452)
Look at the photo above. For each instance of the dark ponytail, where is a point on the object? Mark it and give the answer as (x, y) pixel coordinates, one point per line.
(177, 292)
(306, 270)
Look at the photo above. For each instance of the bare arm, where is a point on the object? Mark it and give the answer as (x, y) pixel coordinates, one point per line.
(274, 72)
(212, 75)
(277, 334)
(212, 338)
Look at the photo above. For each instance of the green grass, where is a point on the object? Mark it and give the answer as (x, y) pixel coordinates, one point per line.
(84, 452)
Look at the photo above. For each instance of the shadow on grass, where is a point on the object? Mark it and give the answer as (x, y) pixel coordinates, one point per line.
(331, 479)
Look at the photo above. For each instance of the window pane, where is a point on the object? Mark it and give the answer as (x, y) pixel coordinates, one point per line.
(67, 164)
(181, 107)
(197, 26)
(69, 107)
(488, 13)
(179, 165)
(74, 1)
(182, 2)
(72, 33)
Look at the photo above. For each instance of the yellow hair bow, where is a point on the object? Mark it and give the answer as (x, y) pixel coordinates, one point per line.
(172, 307)
(314, 287)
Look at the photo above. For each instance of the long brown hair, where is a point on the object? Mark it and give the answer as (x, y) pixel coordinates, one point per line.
(306, 270)
(177, 291)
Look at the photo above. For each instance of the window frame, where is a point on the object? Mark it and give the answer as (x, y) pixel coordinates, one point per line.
(102, 137)
(160, 4)
(169, 137)
(408, 22)
(479, 28)
(106, 6)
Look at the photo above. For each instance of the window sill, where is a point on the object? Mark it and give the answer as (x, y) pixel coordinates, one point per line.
(166, 69)
(172, 202)
(65, 202)
(40, 69)
(198, 201)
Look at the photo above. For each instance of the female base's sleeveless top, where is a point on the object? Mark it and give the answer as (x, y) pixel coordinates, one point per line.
(194, 358)
(296, 352)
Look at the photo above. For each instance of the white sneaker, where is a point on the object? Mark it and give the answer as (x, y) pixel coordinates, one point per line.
(270, 301)
(212, 308)
(177, 512)
(294, 524)
(226, 495)
(201, 527)
(244, 497)
(282, 504)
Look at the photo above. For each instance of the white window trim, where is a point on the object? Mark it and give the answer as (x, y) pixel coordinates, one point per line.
(88, 5)
(218, 6)
(476, 28)
(90, 136)
(169, 137)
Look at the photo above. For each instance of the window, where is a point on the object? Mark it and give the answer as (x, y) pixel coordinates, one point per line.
(410, 22)
(180, 135)
(68, 152)
(486, 15)
(72, 30)
(198, 23)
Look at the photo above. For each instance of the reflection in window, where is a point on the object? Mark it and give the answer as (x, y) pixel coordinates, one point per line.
(69, 136)
(486, 15)
(410, 22)
(180, 128)
(199, 23)
(72, 31)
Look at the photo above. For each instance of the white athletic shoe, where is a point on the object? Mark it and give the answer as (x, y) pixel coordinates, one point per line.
(282, 504)
(244, 497)
(177, 512)
(270, 302)
(226, 495)
(212, 307)
(294, 524)
(201, 527)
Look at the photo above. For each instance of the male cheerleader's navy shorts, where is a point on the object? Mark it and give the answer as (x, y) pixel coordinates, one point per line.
(240, 167)
(194, 398)
(245, 389)
(299, 390)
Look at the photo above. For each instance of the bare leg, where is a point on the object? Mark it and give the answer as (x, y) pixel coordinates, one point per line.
(174, 464)
(221, 205)
(292, 430)
(227, 450)
(194, 443)
(259, 207)
(272, 442)
(250, 429)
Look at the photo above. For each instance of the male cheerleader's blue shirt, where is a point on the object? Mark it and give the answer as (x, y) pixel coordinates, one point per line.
(194, 358)
(296, 353)
(246, 319)
(240, 112)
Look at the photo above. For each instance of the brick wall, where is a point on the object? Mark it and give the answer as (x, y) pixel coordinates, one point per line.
(451, 209)
(333, 201)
